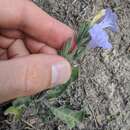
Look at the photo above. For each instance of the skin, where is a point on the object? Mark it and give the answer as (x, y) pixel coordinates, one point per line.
(29, 40)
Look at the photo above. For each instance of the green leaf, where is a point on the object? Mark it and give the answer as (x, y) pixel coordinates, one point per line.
(22, 100)
(56, 92)
(66, 49)
(18, 107)
(75, 73)
(79, 53)
(68, 116)
(81, 29)
(83, 32)
(15, 111)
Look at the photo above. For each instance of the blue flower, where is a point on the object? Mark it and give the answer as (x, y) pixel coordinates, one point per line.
(110, 20)
(99, 38)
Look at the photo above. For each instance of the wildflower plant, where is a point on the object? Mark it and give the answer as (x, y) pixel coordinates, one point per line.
(91, 34)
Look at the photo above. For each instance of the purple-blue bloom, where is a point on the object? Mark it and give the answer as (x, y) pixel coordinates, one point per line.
(99, 38)
(110, 20)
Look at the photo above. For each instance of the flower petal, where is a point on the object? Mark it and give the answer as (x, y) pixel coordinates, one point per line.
(110, 20)
(99, 38)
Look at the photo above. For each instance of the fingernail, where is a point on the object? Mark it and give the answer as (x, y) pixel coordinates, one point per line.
(61, 73)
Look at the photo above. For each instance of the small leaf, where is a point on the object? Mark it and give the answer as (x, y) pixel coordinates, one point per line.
(68, 116)
(83, 32)
(22, 100)
(66, 49)
(56, 92)
(75, 74)
(15, 111)
(81, 29)
(80, 53)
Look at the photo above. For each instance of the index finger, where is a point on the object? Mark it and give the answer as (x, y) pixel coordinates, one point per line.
(30, 19)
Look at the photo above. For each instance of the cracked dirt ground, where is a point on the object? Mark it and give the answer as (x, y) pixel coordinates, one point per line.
(103, 87)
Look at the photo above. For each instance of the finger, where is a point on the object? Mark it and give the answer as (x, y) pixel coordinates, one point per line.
(31, 74)
(10, 33)
(26, 16)
(17, 49)
(5, 42)
(39, 47)
(3, 54)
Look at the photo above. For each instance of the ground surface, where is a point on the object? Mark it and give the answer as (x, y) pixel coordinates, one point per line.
(103, 87)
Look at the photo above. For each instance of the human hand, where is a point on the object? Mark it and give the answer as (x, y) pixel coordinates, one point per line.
(29, 39)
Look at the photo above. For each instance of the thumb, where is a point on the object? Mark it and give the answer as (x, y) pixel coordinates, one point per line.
(29, 75)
